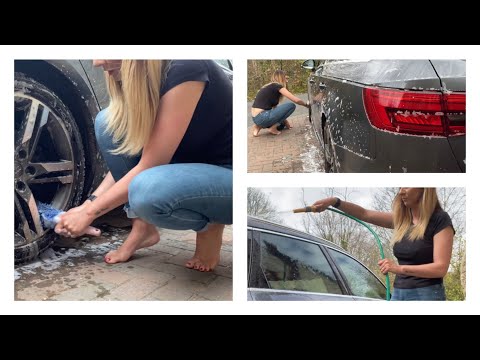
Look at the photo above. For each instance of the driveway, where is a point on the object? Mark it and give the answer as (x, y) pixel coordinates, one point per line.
(76, 271)
(293, 151)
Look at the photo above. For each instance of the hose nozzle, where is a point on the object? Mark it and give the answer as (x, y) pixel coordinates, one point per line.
(305, 209)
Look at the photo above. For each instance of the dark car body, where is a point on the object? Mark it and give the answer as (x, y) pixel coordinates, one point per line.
(285, 264)
(57, 160)
(389, 115)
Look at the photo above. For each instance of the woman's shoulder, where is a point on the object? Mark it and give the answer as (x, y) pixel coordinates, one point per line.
(182, 66)
(440, 214)
(440, 219)
(273, 85)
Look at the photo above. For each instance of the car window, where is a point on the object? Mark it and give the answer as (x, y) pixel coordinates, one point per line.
(360, 280)
(290, 264)
(225, 63)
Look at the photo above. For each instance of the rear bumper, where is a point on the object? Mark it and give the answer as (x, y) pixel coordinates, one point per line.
(404, 153)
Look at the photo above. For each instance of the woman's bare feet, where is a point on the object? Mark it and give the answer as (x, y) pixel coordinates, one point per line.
(256, 130)
(288, 125)
(207, 252)
(273, 130)
(142, 235)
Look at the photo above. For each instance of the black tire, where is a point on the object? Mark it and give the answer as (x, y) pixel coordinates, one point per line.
(49, 163)
(329, 155)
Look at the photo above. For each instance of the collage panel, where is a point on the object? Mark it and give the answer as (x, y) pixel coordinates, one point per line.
(356, 244)
(123, 180)
(351, 116)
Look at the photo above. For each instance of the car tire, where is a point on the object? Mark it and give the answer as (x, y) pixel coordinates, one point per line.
(49, 163)
(329, 155)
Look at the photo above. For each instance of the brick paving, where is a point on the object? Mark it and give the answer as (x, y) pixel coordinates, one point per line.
(293, 151)
(78, 272)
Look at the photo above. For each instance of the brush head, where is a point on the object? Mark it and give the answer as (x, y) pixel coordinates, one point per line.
(49, 216)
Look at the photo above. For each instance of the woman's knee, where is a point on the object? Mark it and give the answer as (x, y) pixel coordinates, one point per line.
(143, 200)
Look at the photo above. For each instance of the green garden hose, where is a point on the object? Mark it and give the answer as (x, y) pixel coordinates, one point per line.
(379, 243)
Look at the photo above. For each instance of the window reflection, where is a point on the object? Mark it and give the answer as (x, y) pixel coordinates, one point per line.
(290, 264)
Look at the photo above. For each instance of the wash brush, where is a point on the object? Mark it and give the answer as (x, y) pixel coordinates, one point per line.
(50, 216)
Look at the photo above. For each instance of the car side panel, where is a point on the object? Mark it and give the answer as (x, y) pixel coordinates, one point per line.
(342, 106)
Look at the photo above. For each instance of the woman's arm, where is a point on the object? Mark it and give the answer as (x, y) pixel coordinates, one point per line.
(442, 254)
(292, 97)
(174, 115)
(384, 219)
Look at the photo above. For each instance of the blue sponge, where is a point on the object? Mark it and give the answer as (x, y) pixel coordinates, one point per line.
(48, 215)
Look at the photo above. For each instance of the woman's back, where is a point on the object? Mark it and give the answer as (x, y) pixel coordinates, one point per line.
(268, 96)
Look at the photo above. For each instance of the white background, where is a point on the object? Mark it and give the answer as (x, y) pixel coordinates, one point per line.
(239, 55)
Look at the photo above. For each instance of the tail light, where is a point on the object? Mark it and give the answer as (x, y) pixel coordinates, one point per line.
(416, 113)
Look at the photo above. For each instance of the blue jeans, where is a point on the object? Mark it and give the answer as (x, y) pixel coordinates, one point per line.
(274, 116)
(173, 196)
(428, 293)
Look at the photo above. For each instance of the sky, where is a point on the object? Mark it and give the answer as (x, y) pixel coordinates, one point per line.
(287, 199)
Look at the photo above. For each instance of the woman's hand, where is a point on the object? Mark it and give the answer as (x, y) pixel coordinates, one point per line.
(322, 205)
(389, 266)
(75, 222)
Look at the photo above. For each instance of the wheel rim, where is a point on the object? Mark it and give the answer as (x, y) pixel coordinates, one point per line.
(44, 165)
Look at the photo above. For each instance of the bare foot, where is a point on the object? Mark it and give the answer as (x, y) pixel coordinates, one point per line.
(288, 125)
(256, 130)
(273, 130)
(207, 252)
(142, 235)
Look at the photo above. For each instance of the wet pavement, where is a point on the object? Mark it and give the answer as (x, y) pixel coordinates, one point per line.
(293, 151)
(75, 270)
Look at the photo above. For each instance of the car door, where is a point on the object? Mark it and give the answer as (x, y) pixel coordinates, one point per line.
(316, 92)
(291, 264)
(362, 283)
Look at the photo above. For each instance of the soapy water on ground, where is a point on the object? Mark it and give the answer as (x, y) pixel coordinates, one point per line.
(57, 256)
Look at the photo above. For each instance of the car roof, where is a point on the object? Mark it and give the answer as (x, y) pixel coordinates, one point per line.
(255, 222)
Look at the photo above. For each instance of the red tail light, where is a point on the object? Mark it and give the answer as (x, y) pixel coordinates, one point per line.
(417, 113)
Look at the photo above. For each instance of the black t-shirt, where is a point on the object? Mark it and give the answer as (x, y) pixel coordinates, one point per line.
(419, 252)
(208, 138)
(268, 96)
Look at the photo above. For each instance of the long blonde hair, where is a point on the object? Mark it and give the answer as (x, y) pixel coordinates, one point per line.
(134, 103)
(402, 216)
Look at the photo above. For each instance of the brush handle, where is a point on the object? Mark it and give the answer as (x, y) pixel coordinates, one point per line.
(305, 209)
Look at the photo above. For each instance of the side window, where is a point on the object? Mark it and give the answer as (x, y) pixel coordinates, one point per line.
(360, 280)
(290, 264)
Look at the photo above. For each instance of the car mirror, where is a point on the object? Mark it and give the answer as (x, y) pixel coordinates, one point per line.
(309, 65)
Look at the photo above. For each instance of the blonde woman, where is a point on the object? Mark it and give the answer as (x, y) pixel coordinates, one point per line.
(266, 112)
(422, 241)
(167, 140)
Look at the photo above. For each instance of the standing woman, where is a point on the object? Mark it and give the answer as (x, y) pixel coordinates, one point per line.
(266, 112)
(422, 241)
(167, 139)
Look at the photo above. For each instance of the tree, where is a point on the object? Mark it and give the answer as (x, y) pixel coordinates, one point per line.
(343, 231)
(259, 204)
